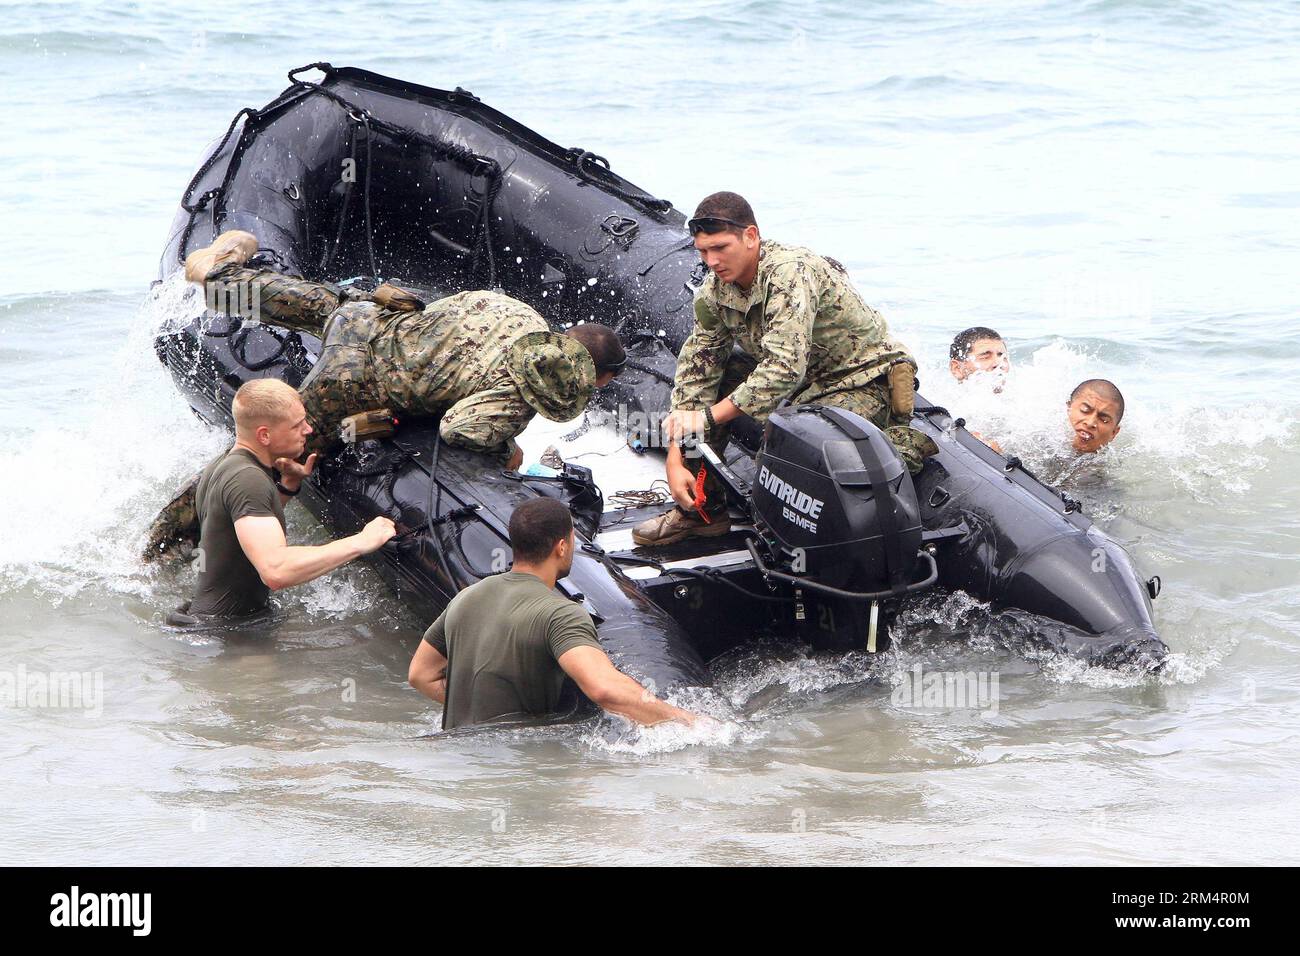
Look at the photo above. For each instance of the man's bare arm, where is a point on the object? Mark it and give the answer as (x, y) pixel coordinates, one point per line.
(281, 566)
(609, 688)
(683, 422)
(428, 672)
(681, 480)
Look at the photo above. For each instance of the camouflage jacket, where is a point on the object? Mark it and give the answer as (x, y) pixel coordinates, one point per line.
(803, 322)
(486, 361)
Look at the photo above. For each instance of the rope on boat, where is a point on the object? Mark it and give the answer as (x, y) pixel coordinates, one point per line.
(643, 498)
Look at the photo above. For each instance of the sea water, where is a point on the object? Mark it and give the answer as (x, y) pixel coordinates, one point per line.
(1111, 185)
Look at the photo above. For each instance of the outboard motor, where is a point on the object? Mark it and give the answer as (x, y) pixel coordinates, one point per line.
(838, 520)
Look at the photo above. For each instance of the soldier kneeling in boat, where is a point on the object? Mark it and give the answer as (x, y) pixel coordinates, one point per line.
(804, 335)
(485, 362)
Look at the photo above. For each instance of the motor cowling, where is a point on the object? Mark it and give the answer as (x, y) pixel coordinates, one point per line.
(835, 502)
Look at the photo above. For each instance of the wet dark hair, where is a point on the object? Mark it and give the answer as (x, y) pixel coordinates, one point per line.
(535, 527)
(603, 344)
(959, 351)
(1107, 390)
(725, 205)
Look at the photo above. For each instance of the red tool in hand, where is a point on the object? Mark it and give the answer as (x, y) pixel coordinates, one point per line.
(700, 497)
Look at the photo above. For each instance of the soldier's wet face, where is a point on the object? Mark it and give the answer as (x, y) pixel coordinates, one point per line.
(287, 437)
(1094, 421)
(731, 254)
(985, 355)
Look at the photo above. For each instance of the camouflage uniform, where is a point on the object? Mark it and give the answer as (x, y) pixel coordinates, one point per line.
(483, 361)
(806, 335)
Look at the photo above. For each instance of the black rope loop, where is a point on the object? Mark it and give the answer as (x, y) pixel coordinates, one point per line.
(239, 347)
(319, 65)
(581, 158)
(187, 202)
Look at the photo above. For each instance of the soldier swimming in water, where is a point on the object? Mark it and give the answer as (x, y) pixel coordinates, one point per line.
(1094, 412)
(982, 352)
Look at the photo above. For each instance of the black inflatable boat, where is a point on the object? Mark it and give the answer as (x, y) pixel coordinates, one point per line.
(353, 174)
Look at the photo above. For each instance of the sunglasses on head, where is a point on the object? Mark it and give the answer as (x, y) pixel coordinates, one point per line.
(712, 224)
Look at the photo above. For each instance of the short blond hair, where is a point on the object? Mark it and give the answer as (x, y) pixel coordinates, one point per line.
(264, 401)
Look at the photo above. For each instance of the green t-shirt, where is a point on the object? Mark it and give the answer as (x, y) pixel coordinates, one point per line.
(234, 486)
(502, 638)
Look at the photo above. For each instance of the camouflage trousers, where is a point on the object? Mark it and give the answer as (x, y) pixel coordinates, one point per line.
(274, 299)
(871, 402)
(342, 382)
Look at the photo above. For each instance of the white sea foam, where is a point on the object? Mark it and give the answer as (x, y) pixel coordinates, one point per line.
(80, 495)
(1205, 447)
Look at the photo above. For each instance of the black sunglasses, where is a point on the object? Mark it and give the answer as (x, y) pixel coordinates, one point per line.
(712, 224)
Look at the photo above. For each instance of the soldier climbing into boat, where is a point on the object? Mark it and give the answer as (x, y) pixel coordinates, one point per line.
(485, 362)
(804, 334)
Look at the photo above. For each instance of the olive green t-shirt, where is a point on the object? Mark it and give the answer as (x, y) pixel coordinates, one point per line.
(234, 486)
(502, 638)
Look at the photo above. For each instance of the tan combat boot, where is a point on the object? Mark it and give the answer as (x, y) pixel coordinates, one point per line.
(233, 246)
(676, 525)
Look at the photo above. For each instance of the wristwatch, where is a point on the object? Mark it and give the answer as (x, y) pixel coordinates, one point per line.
(285, 491)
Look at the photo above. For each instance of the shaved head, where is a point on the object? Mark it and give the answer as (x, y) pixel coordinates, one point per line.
(727, 205)
(1105, 389)
(264, 401)
(1094, 412)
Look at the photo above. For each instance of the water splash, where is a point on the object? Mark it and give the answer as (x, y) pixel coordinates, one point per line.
(615, 735)
(954, 626)
(773, 675)
(1210, 451)
(81, 491)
